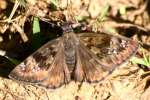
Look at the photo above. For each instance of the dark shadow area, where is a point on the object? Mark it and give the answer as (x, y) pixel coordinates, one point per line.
(5, 67)
(16, 49)
(148, 6)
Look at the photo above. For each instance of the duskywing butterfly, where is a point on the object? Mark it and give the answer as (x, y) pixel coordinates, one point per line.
(79, 57)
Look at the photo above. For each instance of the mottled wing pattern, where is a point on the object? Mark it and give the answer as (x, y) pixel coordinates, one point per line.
(95, 57)
(87, 67)
(58, 71)
(111, 50)
(39, 66)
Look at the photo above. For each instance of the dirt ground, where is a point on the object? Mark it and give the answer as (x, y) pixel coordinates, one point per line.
(130, 18)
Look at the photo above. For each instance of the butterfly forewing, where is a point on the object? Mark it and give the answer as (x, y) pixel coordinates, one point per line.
(35, 67)
(111, 50)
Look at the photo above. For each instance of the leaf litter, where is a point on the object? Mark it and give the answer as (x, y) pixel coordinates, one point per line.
(128, 82)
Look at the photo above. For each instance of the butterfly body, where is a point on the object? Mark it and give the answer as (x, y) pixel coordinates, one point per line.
(71, 57)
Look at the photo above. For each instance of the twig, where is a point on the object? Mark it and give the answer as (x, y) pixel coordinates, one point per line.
(20, 30)
(130, 25)
(12, 13)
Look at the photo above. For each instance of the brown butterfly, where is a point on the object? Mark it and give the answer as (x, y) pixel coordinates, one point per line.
(81, 57)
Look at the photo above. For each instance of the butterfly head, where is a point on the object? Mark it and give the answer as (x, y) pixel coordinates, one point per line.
(67, 28)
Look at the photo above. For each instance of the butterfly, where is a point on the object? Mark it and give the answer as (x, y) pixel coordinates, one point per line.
(88, 57)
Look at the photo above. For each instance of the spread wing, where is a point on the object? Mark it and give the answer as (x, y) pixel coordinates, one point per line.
(101, 53)
(43, 65)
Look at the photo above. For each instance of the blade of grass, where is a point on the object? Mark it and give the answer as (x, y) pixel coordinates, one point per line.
(36, 25)
(37, 37)
(141, 61)
(12, 60)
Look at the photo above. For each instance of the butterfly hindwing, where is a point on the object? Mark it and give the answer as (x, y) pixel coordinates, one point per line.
(87, 67)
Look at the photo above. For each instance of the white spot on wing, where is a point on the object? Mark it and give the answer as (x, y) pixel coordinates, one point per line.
(36, 69)
(22, 65)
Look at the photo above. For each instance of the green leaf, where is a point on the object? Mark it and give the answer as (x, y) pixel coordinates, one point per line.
(37, 36)
(54, 4)
(111, 30)
(80, 18)
(103, 13)
(142, 61)
(36, 25)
